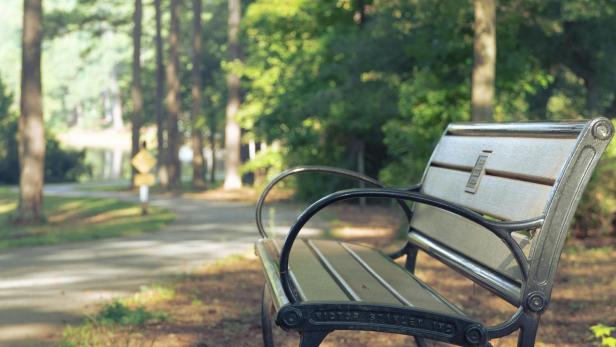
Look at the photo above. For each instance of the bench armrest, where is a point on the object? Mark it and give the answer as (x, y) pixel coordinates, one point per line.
(318, 169)
(500, 229)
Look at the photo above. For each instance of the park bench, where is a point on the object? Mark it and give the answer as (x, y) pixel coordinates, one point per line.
(495, 204)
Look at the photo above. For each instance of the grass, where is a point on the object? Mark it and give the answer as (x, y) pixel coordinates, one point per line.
(72, 219)
(186, 187)
(120, 322)
(212, 191)
(104, 187)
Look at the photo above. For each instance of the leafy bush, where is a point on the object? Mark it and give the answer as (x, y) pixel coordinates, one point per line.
(118, 313)
(60, 165)
(63, 165)
(265, 165)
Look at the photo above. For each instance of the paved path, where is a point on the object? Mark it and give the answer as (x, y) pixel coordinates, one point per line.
(43, 287)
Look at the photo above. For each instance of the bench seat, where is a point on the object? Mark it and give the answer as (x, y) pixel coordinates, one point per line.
(344, 284)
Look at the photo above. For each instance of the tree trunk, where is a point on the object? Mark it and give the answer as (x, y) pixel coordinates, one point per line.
(593, 95)
(361, 168)
(213, 127)
(173, 100)
(232, 127)
(136, 92)
(160, 117)
(484, 64)
(261, 174)
(77, 115)
(198, 162)
(360, 13)
(116, 101)
(31, 126)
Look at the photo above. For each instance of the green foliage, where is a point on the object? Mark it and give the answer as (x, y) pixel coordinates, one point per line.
(6, 101)
(328, 85)
(265, 164)
(116, 324)
(60, 165)
(150, 295)
(426, 108)
(304, 71)
(118, 313)
(265, 160)
(121, 322)
(63, 165)
(9, 161)
(596, 214)
(332, 81)
(604, 334)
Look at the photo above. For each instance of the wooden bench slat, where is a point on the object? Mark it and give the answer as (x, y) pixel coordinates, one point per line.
(352, 274)
(305, 268)
(500, 197)
(402, 282)
(468, 238)
(526, 158)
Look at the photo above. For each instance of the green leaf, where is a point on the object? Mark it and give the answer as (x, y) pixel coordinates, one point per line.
(601, 330)
(608, 341)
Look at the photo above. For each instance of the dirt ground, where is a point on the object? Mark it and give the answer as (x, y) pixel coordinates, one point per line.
(220, 305)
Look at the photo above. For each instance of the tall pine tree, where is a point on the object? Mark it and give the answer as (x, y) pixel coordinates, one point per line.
(173, 100)
(232, 127)
(31, 125)
(198, 162)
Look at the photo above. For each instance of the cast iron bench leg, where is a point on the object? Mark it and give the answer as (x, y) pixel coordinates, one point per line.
(312, 339)
(420, 342)
(528, 332)
(266, 318)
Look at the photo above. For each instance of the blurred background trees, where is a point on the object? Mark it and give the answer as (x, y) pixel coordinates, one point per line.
(364, 84)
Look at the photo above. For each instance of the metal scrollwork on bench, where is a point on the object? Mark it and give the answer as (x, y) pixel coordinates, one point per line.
(308, 317)
(405, 320)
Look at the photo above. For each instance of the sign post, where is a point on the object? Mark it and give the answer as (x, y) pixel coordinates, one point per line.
(143, 162)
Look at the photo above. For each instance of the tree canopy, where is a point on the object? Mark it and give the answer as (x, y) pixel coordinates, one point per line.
(364, 84)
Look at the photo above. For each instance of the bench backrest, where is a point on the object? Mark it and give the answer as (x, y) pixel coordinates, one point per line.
(509, 172)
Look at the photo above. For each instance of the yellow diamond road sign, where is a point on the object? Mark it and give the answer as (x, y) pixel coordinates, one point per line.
(144, 179)
(143, 161)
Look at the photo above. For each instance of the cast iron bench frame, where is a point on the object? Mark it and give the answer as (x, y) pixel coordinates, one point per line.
(538, 275)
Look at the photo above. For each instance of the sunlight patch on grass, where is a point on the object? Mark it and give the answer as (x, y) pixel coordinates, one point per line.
(77, 219)
(7, 206)
(113, 215)
(150, 295)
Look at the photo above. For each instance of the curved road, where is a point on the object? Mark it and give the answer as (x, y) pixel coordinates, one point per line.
(41, 288)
